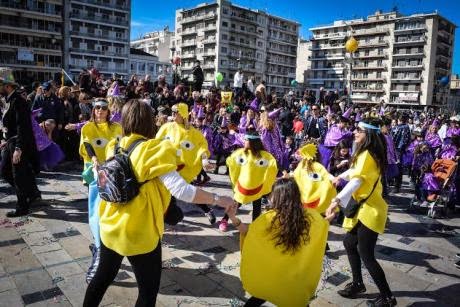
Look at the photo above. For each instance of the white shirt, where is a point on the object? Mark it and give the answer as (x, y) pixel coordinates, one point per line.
(238, 80)
(250, 86)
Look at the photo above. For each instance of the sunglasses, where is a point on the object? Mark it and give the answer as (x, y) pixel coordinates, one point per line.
(103, 108)
(315, 109)
(360, 130)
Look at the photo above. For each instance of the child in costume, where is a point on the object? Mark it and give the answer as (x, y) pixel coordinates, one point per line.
(340, 159)
(314, 181)
(432, 138)
(252, 174)
(334, 135)
(223, 144)
(200, 124)
(282, 250)
(95, 135)
(50, 152)
(271, 137)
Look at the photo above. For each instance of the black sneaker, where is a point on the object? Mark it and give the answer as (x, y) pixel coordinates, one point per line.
(352, 289)
(457, 255)
(17, 213)
(211, 217)
(382, 302)
(457, 264)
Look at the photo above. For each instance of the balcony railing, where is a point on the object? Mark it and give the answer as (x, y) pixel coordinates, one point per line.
(111, 4)
(24, 6)
(409, 41)
(14, 61)
(110, 20)
(98, 35)
(408, 54)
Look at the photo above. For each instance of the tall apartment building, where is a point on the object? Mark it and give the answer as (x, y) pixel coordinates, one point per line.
(31, 35)
(400, 59)
(97, 36)
(225, 37)
(303, 67)
(143, 63)
(156, 43)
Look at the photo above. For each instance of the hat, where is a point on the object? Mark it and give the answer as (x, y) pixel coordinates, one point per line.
(200, 114)
(46, 86)
(224, 123)
(347, 112)
(308, 151)
(455, 118)
(182, 109)
(115, 91)
(6, 76)
(100, 102)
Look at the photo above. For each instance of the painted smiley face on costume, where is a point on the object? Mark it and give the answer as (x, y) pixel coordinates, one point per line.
(98, 136)
(191, 146)
(316, 189)
(251, 176)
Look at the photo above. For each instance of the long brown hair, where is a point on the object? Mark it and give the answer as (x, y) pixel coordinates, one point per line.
(291, 226)
(137, 117)
(255, 145)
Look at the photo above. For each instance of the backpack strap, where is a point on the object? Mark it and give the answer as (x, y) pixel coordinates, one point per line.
(131, 147)
(116, 149)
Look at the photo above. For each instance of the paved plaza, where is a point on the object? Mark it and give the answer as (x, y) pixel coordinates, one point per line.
(44, 257)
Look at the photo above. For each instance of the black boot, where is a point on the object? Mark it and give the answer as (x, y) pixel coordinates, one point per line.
(94, 263)
(352, 289)
(382, 302)
(17, 213)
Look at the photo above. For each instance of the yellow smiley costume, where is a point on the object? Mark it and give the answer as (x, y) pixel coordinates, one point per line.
(283, 279)
(373, 213)
(316, 189)
(98, 135)
(136, 228)
(226, 98)
(190, 143)
(252, 177)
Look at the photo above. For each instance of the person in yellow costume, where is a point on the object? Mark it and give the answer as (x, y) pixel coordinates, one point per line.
(192, 148)
(368, 164)
(134, 230)
(316, 189)
(252, 173)
(95, 135)
(282, 250)
(226, 98)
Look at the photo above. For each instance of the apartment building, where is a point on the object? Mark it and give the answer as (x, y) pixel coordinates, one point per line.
(143, 63)
(97, 35)
(453, 103)
(157, 43)
(31, 36)
(303, 65)
(400, 59)
(226, 37)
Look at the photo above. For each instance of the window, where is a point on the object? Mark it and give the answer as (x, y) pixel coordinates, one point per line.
(242, 28)
(366, 52)
(260, 44)
(223, 49)
(224, 36)
(233, 26)
(379, 74)
(224, 24)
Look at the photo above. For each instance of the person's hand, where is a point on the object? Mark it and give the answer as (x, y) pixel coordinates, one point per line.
(95, 162)
(17, 156)
(330, 217)
(330, 211)
(70, 127)
(225, 202)
(336, 181)
(231, 210)
(285, 175)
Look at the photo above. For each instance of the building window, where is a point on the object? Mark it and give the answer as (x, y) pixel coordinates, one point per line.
(224, 24)
(233, 26)
(225, 10)
(242, 28)
(223, 49)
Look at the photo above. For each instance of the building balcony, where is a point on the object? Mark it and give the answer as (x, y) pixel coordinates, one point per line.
(22, 26)
(368, 90)
(337, 57)
(37, 47)
(371, 56)
(382, 79)
(284, 41)
(330, 35)
(383, 43)
(110, 37)
(210, 28)
(98, 52)
(362, 67)
(188, 56)
(417, 41)
(338, 67)
(407, 67)
(395, 79)
(99, 3)
(188, 43)
(276, 27)
(111, 20)
(34, 64)
(210, 41)
(245, 18)
(326, 79)
(24, 7)
(195, 18)
(208, 66)
(420, 28)
(326, 47)
(375, 31)
(408, 55)
(404, 91)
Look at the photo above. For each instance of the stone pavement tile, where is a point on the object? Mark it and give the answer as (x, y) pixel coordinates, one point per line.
(192, 281)
(222, 297)
(432, 276)
(11, 298)
(55, 226)
(33, 281)
(31, 225)
(65, 270)
(84, 229)
(41, 242)
(9, 232)
(18, 258)
(166, 281)
(54, 258)
(123, 293)
(322, 302)
(58, 301)
(444, 293)
(84, 263)
(76, 246)
(175, 295)
(74, 288)
(6, 283)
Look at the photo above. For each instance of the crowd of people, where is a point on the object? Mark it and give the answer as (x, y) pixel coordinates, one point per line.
(304, 158)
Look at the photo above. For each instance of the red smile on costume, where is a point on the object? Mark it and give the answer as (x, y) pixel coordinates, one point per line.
(180, 167)
(248, 192)
(311, 204)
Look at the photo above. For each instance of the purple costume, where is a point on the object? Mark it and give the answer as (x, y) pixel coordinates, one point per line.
(244, 124)
(393, 169)
(223, 144)
(448, 151)
(333, 137)
(408, 155)
(274, 144)
(50, 153)
(430, 183)
(433, 140)
(115, 117)
(207, 132)
(451, 131)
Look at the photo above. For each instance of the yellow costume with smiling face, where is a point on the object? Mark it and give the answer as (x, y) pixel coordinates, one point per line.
(251, 176)
(316, 189)
(98, 136)
(190, 143)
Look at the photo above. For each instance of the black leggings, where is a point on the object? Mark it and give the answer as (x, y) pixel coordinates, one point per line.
(146, 267)
(360, 245)
(256, 209)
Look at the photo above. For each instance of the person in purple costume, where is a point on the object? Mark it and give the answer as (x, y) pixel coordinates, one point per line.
(200, 124)
(408, 156)
(271, 138)
(392, 169)
(336, 133)
(247, 121)
(432, 138)
(223, 145)
(50, 153)
(454, 128)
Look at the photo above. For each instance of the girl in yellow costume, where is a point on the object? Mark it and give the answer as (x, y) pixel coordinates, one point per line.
(252, 173)
(192, 148)
(282, 250)
(316, 189)
(134, 230)
(368, 165)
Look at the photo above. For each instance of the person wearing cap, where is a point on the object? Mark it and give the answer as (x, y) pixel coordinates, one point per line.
(335, 134)
(223, 144)
(19, 155)
(51, 106)
(198, 76)
(454, 128)
(368, 165)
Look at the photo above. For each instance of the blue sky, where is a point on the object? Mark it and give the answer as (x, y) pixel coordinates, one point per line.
(148, 15)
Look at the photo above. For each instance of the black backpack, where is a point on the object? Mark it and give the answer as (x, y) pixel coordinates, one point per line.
(116, 181)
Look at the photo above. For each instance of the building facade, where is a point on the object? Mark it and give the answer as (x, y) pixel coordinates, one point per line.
(157, 43)
(31, 37)
(453, 103)
(400, 59)
(143, 63)
(226, 37)
(97, 35)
